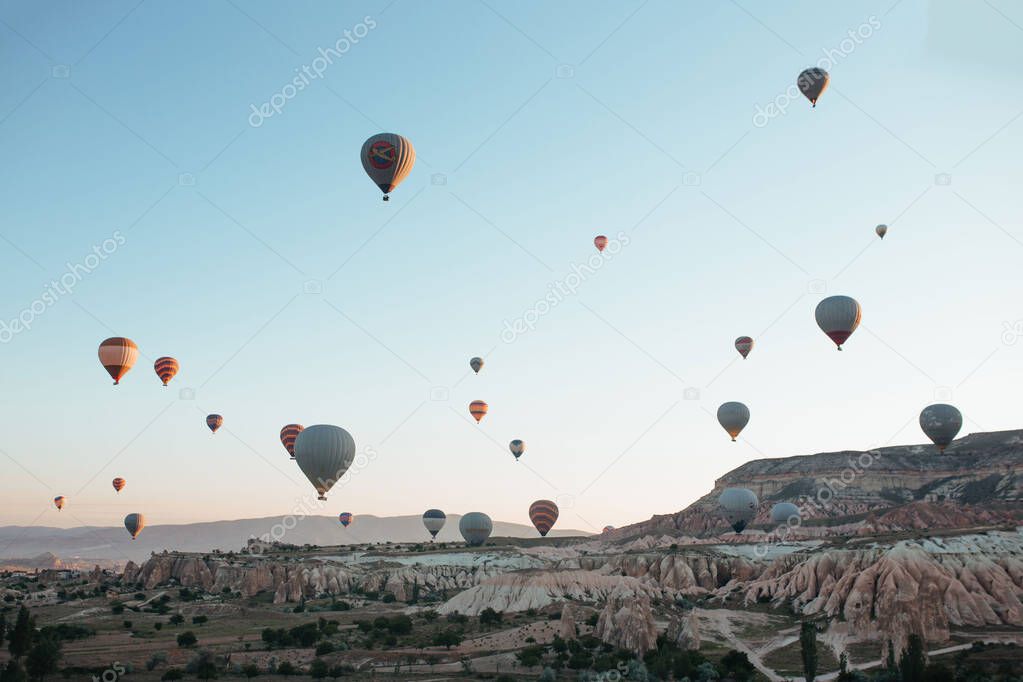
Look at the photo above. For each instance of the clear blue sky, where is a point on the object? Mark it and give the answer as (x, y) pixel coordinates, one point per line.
(548, 123)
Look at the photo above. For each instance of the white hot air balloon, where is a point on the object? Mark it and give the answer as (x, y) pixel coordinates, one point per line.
(784, 512)
(738, 506)
(838, 317)
(733, 418)
(324, 453)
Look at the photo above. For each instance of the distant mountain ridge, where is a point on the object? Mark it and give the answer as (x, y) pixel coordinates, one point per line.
(113, 543)
(979, 477)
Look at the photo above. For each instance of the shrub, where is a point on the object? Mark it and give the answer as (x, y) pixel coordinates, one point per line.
(187, 639)
(286, 668)
(489, 616)
(173, 674)
(318, 669)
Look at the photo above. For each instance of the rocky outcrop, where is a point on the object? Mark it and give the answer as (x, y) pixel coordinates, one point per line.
(915, 586)
(627, 622)
(979, 472)
(535, 590)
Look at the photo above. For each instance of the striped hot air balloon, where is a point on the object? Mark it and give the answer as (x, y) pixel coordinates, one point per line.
(166, 368)
(119, 484)
(517, 447)
(733, 418)
(118, 355)
(476, 364)
(58, 502)
(134, 523)
(744, 345)
(214, 421)
(387, 159)
(478, 409)
(345, 518)
(543, 514)
(600, 241)
(434, 520)
(838, 317)
(288, 435)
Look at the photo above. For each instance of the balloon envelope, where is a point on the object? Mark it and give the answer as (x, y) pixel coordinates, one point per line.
(476, 364)
(881, 230)
(118, 355)
(738, 506)
(744, 345)
(58, 502)
(475, 527)
(134, 523)
(434, 520)
(838, 317)
(783, 511)
(607, 529)
(812, 83)
(214, 421)
(543, 514)
(517, 447)
(387, 159)
(941, 423)
(166, 368)
(478, 409)
(345, 518)
(119, 484)
(600, 241)
(288, 435)
(733, 418)
(324, 453)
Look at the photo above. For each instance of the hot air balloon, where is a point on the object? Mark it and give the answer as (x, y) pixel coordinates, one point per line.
(476, 364)
(134, 523)
(478, 409)
(738, 506)
(166, 368)
(345, 518)
(543, 514)
(214, 421)
(881, 230)
(58, 502)
(119, 484)
(475, 527)
(324, 453)
(118, 355)
(288, 435)
(387, 159)
(784, 512)
(517, 447)
(600, 241)
(838, 317)
(744, 345)
(941, 423)
(812, 83)
(434, 520)
(733, 418)
(607, 529)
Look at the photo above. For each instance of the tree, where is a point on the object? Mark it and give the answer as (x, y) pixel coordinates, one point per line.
(21, 636)
(173, 674)
(286, 668)
(447, 638)
(187, 639)
(3, 628)
(489, 616)
(176, 619)
(204, 666)
(913, 660)
(318, 669)
(250, 670)
(808, 644)
(13, 673)
(199, 620)
(42, 659)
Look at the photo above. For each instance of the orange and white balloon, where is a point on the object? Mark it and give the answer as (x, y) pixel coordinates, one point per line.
(119, 484)
(118, 355)
(478, 409)
(166, 368)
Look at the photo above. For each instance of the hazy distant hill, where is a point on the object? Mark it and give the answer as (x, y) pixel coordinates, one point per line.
(115, 544)
(978, 480)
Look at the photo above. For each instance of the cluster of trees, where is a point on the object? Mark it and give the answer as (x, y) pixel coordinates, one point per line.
(305, 635)
(34, 655)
